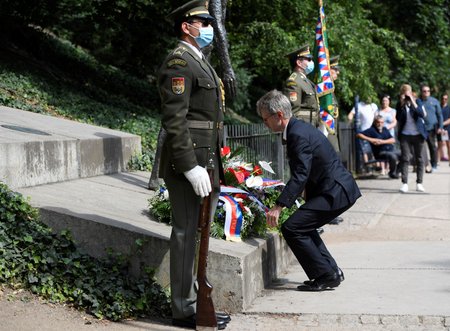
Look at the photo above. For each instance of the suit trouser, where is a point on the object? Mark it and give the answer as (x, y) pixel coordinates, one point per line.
(300, 233)
(334, 141)
(185, 206)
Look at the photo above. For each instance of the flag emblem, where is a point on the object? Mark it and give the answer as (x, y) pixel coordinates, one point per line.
(293, 96)
(178, 85)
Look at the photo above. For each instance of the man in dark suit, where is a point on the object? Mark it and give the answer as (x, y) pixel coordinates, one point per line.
(192, 105)
(330, 190)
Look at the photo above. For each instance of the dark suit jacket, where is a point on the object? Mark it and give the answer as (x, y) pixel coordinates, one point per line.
(316, 168)
(190, 92)
(417, 114)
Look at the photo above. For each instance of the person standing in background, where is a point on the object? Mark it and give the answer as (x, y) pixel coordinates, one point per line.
(444, 136)
(411, 134)
(366, 115)
(333, 138)
(300, 91)
(388, 114)
(433, 123)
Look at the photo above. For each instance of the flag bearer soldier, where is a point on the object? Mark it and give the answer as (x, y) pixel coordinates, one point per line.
(333, 136)
(299, 89)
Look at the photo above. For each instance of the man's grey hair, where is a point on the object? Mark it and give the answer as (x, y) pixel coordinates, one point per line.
(274, 101)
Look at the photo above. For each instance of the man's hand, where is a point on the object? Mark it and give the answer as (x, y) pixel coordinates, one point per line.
(199, 179)
(273, 215)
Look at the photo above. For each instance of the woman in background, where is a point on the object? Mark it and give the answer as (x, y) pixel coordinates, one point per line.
(411, 134)
(388, 114)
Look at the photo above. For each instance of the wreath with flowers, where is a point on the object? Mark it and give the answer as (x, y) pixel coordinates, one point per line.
(243, 201)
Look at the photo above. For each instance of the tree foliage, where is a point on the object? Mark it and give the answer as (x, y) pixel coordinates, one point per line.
(382, 44)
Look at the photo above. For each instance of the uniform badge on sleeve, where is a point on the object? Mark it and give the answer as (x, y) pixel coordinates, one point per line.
(293, 96)
(178, 85)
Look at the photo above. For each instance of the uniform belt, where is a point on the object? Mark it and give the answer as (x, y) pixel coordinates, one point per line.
(207, 125)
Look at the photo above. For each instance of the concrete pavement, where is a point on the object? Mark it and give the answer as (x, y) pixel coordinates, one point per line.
(394, 250)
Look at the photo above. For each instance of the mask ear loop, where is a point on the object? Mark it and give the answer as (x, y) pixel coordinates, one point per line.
(194, 28)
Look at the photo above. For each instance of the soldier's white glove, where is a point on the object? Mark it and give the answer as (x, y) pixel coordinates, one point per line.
(199, 178)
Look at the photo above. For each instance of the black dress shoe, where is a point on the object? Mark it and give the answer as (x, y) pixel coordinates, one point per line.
(338, 271)
(223, 317)
(336, 220)
(340, 274)
(394, 175)
(322, 283)
(190, 323)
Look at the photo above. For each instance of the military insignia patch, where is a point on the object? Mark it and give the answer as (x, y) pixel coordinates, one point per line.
(293, 96)
(174, 62)
(178, 85)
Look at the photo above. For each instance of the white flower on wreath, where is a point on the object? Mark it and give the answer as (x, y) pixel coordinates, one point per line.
(266, 166)
(254, 181)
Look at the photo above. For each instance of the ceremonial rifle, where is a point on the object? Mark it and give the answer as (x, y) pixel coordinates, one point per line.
(206, 314)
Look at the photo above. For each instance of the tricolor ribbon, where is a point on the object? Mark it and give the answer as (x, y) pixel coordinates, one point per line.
(233, 217)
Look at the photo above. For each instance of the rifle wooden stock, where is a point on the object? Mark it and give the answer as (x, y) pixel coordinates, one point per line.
(206, 314)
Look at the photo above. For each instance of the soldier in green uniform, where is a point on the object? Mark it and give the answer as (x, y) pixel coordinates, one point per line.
(299, 89)
(192, 104)
(333, 136)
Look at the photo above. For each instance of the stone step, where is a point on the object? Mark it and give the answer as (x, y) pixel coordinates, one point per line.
(111, 211)
(37, 149)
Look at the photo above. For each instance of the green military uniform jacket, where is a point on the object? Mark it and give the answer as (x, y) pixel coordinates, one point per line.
(302, 95)
(333, 137)
(192, 109)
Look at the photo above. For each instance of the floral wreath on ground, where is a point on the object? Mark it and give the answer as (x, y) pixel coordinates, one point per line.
(243, 202)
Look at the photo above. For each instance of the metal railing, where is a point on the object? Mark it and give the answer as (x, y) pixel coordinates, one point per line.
(259, 144)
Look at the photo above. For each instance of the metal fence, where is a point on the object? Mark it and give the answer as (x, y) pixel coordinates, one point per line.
(259, 144)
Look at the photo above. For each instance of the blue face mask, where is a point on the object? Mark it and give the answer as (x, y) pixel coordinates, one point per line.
(205, 37)
(309, 68)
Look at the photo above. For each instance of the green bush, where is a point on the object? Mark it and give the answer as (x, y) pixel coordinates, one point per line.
(51, 266)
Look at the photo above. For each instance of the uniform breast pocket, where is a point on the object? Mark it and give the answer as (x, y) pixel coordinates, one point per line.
(307, 88)
(205, 95)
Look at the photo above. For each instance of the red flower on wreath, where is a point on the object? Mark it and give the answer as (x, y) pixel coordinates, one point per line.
(238, 174)
(257, 171)
(224, 151)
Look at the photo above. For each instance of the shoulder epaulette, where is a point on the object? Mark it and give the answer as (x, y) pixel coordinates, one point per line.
(293, 76)
(179, 51)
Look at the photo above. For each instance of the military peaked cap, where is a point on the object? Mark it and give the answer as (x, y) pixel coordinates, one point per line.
(301, 52)
(195, 8)
(334, 63)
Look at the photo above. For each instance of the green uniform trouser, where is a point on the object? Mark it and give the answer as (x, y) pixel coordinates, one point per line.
(333, 139)
(185, 212)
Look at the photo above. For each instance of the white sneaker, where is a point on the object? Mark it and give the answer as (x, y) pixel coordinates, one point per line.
(404, 188)
(420, 187)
